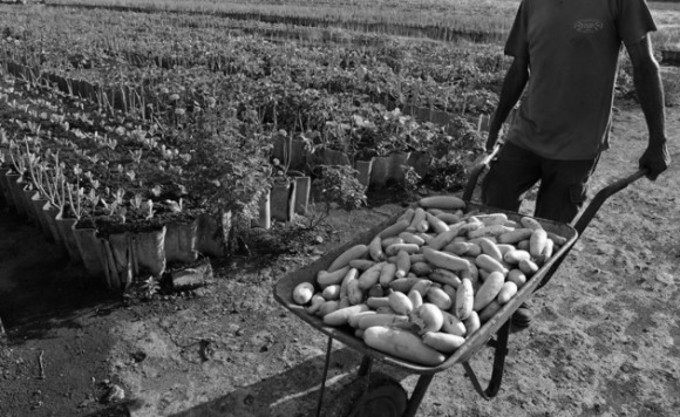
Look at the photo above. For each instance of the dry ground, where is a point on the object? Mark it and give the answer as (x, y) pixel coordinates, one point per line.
(606, 340)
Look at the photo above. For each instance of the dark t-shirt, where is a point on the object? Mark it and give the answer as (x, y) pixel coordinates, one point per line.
(572, 47)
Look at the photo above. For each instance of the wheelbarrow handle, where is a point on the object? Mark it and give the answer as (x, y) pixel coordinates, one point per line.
(583, 219)
(480, 166)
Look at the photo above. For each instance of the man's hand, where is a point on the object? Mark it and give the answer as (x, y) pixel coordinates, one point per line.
(491, 139)
(649, 89)
(655, 160)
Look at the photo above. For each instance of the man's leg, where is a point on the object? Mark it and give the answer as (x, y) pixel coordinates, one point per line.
(514, 172)
(563, 189)
(511, 174)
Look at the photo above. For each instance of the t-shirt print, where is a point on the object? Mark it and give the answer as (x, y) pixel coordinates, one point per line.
(588, 26)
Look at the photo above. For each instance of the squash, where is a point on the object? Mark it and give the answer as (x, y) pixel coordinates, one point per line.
(464, 299)
(355, 252)
(325, 278)
(442, 202)
(365, 321)
(445, 260)
(402, 344)
(400, 303)
(303, 293)
(443, 342)
(489, 290)
(375, 250)
(341, 316)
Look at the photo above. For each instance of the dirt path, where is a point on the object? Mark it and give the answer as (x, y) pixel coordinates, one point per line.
(606, 340)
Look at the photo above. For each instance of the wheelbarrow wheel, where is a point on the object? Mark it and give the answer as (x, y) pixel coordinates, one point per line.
(384, 397)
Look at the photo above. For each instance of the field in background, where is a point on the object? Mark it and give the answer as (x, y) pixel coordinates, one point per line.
(483, 20)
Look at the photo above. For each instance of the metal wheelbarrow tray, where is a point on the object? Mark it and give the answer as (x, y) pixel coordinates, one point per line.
(498, 325)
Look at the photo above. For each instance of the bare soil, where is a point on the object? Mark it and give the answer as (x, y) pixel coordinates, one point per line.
(605, 340)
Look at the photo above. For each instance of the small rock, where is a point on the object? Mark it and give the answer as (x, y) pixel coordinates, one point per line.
(207, 349)
(665, 278)
(201, 292)
(85, 403)
(193, 277)
(114, 394)
(627, 368)
(138, 356)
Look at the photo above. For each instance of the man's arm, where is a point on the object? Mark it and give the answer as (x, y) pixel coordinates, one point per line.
(649, 90)
(515, 80)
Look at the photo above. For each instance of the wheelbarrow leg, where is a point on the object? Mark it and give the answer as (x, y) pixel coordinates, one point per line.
(329, 349)
(365, 366)
(418, 395)
(501, 346)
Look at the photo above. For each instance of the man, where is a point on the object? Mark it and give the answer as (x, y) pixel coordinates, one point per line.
(565, 52)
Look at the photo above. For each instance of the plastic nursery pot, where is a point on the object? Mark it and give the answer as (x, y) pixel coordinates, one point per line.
(291, 152)
(38, 202)
(66, 226)
(365, 169)
(4, 188)
(303, 187)
(398, 165)
(180, 241)
(28, 202)
(333, 157)
(389, 168)
(211, 232)
(264, 219)
(283, 201)
(116, 259)
(419, 161)
(88, 247)
(50, 214)
(10, 179)
(148, 252)
(17, 192)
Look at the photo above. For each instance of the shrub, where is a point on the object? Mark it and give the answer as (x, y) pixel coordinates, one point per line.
(339, 184)
(228, 171)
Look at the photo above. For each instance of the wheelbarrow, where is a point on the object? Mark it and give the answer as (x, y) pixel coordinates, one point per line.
(377, 395)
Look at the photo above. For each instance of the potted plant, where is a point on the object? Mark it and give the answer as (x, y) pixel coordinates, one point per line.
(282, 195)
(228, 175)
(38, 198)
(283, 186)
(16, 178)
(5, 168)
(181, 235)
(337, 185)
(290, 187)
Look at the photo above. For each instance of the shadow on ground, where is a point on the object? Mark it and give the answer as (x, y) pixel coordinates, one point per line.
(40, 289)
(294, 393)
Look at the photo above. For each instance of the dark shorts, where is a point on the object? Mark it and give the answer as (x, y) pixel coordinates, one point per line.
(562, 190)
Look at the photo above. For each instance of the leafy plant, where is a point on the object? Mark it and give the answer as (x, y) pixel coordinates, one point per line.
(227, 171)
(339, 184)
(413, 182)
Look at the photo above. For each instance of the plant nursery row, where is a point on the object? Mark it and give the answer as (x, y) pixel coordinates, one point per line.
(155, 139)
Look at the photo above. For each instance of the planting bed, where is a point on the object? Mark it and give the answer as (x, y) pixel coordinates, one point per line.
(195, 125)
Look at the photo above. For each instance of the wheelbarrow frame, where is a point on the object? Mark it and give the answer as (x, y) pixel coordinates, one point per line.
(498, 325)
